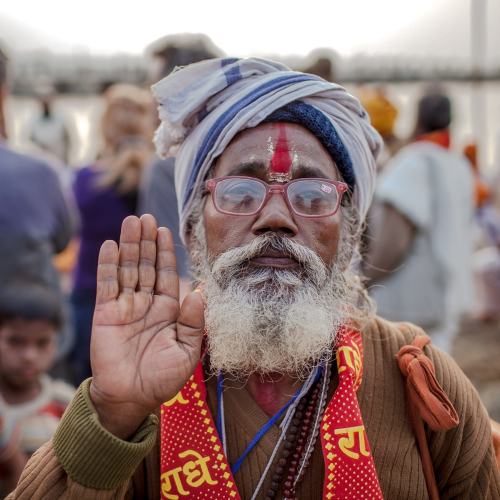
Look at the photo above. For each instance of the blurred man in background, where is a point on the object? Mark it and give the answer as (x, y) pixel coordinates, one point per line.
(49, 131)
(158, 196)
(421, 244)
(35, 220)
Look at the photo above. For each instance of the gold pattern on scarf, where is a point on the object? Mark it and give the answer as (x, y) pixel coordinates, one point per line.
(351, 357)
(194, 472)
(178, 398)
(348, 443)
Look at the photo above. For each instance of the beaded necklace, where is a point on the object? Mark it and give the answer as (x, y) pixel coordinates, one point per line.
(301, 440)
(301, 412)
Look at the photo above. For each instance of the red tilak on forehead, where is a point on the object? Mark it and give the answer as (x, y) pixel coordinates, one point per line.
(281, 161)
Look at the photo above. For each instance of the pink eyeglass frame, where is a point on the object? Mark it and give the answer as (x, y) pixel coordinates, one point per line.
(340, 187)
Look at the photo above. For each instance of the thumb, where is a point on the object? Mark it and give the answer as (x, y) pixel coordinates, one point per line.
(191, 322)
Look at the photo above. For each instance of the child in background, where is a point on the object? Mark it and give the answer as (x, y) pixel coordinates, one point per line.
(31, 402)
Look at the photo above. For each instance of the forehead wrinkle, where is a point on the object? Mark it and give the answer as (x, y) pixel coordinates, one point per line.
(248, 168)
(258, 168)
(311, 171)
(252, 146)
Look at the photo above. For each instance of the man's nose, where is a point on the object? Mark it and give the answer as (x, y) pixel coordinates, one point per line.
(275, 216)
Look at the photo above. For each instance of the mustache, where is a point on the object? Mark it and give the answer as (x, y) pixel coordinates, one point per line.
(234, 262)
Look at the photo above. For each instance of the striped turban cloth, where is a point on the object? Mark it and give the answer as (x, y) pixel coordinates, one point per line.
(204, 105)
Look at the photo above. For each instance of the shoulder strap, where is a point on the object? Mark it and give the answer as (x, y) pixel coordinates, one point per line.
(427, 402)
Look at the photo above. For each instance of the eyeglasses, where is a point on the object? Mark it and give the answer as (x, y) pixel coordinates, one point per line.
(309, 197)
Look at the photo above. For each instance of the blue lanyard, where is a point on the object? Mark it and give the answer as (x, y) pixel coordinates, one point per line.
(263, 430)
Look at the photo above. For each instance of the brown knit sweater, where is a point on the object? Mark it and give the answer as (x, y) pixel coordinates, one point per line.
(85, 462)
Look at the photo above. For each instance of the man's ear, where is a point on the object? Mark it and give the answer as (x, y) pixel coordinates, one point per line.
(189, 229)
(189, 238)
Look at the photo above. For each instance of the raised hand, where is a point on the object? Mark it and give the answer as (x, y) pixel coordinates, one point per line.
(144, 346)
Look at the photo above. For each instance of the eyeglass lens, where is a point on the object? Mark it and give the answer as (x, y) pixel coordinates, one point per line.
(306, 196)
(312, 197)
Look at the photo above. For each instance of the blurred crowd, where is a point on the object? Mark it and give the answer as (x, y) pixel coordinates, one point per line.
(431, 247)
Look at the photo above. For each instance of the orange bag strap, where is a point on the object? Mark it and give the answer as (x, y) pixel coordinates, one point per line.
(427, 402)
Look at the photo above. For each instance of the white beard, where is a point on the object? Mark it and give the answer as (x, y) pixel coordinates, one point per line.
(272, 320)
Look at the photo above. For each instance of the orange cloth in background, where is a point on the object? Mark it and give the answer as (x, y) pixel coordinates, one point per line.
(482, 192)
(440, 137)
(383, 113)
(65, 261)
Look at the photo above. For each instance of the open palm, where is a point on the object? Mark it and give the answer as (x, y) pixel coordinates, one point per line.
(144, 345)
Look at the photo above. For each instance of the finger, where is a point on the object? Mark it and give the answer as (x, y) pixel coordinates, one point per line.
(167, 281)
(191, 322)
(107, 272)
(130, 238)
(147, 254)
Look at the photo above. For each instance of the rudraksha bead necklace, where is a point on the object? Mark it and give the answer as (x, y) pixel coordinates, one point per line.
(299, 442)
(300, 429)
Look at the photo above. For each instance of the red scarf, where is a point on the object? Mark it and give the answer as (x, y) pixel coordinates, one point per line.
(193, 464)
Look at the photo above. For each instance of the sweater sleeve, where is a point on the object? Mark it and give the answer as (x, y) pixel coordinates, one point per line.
(464, 459)
(84, 460)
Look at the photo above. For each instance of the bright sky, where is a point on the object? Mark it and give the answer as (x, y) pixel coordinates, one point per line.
(237, 27)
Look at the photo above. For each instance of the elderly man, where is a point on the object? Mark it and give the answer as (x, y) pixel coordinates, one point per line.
(273, 379)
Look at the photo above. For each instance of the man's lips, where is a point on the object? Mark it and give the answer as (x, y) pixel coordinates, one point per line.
(271, 258)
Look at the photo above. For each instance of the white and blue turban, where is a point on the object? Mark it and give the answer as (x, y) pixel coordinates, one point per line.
(204, 105)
